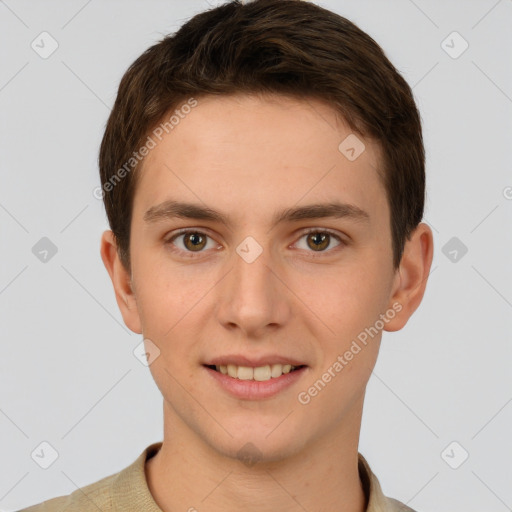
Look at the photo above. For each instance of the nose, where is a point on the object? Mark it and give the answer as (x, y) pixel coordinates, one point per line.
(253, 297)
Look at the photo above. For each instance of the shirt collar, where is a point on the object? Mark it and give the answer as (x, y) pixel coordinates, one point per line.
(130, 491)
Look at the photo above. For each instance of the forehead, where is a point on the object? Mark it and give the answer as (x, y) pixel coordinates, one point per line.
(239, 151)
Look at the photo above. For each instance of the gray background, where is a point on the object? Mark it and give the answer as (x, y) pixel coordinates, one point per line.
(68, 374)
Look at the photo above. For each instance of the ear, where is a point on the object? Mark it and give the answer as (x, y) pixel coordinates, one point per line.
(121, 280)
(411, 277)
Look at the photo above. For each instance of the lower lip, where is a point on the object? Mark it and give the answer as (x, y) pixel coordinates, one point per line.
(253, 389)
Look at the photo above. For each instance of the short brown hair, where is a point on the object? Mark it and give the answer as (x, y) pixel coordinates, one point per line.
(289, 47)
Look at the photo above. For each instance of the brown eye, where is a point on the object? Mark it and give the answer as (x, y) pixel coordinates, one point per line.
(194, 241)
(318, 241)
(189, 241)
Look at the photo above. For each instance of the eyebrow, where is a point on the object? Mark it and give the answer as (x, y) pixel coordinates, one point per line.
(171, 209)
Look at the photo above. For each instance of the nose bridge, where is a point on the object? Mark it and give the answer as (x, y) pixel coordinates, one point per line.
(252, 268)
(250, 296)
(251, 275)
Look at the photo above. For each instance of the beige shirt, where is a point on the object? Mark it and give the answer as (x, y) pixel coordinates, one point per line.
(128, 491)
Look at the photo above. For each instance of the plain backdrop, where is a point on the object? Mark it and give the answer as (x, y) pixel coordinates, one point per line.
(438, 412)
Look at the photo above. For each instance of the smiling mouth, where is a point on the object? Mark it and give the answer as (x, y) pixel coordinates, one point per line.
(260, 373)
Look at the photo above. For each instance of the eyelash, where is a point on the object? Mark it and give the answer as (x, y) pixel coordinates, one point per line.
(192, 254)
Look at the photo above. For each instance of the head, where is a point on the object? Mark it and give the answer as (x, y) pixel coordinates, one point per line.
(278, 135)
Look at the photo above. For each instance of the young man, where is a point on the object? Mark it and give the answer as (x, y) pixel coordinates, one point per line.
(263, 176)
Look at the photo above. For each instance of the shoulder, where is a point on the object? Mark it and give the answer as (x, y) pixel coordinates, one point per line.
(377, 500)
(90, 498)
(397, 506)
(126, 489)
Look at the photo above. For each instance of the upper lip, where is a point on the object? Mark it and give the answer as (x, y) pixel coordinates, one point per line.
(241, 360)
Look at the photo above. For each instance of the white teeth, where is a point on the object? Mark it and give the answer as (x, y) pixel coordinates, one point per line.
(277, 370)
(245, 373)
(260, 373)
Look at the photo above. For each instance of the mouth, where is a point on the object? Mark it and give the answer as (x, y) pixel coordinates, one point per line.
(255, 382)
(258, 373)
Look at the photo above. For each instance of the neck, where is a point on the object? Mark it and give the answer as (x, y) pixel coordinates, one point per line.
(187, 474)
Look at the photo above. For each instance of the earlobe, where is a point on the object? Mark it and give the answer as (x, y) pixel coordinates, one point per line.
(411, 278)
(121, 280)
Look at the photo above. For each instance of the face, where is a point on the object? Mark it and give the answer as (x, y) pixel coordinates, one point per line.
(256, 242)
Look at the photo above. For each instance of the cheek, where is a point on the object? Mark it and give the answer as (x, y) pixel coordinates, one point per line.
(166, 294)
(173, 306)
(345, 298)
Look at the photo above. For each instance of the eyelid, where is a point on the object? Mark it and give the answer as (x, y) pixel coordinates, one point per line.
(329, 231)
(182, 231)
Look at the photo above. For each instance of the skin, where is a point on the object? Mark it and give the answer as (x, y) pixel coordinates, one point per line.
(248, 156)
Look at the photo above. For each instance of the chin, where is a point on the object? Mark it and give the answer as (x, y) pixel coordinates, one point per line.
(257, 443)
(250, 451)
